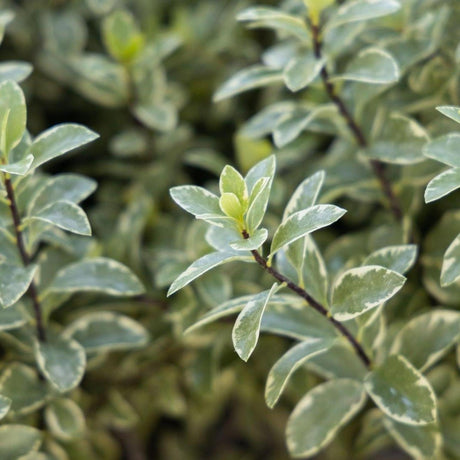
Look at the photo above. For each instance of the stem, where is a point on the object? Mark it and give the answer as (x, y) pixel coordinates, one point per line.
(377, 166)
(311, 301)
(17, 223)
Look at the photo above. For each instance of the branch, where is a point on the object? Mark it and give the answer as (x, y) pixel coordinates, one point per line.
(17, 223)
(377, 166)
(311, 301)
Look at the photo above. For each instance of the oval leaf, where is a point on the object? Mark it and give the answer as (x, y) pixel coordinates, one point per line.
(397, 258)
(65, 419)
(450, 272)
(17, 441)
(14, 282)
(13, 115)
(442, 185)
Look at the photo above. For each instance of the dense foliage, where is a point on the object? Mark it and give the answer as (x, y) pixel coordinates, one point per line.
(334, 331)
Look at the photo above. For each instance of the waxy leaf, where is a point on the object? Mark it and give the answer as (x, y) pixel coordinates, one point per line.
(195, 200)
(62, 361)
(65, 419)
(20, 168)
(258, 202)
(445, 149)
(302, 70)
(265, 168)
(397, 258)
(450, 111)
(15, 70)
(5, 404)
(253, 242)
(304, 222)
(16, 441)
(442, 185)
(13, 115)
(97, 275)
(14, 282)
(321, 413)
(360, 289)
(450, 272)
(282, 370)
(401, 392)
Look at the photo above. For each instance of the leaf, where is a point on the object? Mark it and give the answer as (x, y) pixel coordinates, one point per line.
(420, 442)
(360, 289)
(398, 258)
(105, 331)
(14, 282)
(363, 10)
(401, 392)
(450, 111)
(275, 19)
(5, 404)
(321, 413)
(62, 361)
(195, 200)
(15, 70)
(201, 266)
(160, 116)
(283, 369)
(304, 222)
(450, 272)
(264, 168)
(258, 202)
(440, 330)
(445, 149)
(302, 70)
(19, 168)
(442, 185)
(59, 140)
(247, 79)
(17, 441)
(246, 330)
(97, 275)
(231, 206)
(65, 420)
(13, 115)
(65, 215)
(305, 194)
(12, 318)
(231, 181)
(371, 65)
(254, 242)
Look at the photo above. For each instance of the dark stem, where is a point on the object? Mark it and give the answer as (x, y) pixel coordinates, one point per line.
(311, 301)
(377, 166)
(17, 223)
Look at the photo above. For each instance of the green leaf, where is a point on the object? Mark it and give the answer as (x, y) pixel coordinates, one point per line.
(282, 370)
(19, 168)
(420, 442)
(321, 413)
(258, 202)
(106, 331)
(401, 392)
(97, 275)
(59, 140)
(450, 111)
(231, 206)
(13, 115)
(15, 70)
(265, 168)
(360, 289)
(201, 266)
(231, 181)
(6, 16)
(440, 330)
(442, 185)
(160, 116)
(121, 36)
(363, 10)
(14, 282)
(253, 242)
(62, 361)
(195, 200)
(305, 194)
(398, 258)
(20, 383)
(450, 272)
(17, 441)
(5, 404)
(304, 222)
(247, 79)
(65, 215)
(371, 65)
(445, 149)
(302, 70)
(275, 19)
(246, 330)
(65, 420)
(12, 318)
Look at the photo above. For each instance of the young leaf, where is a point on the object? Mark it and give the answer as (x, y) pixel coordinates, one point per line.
(231, 181)
(19, 168)
(450, 272)
(62, 361)
(5, 404)
(401, 392)
(247, 79)
(195, 200)
(65, 419)
(397, 258)
(321, 413)
(440, 330)
(371, 65)
(282, 370)
(302, 70)
(360, 289)
(442, 185)
(258, 202)
(231, 206)
(106, 331)
(246, 330)
(202, 265)
(97, 275)
(59, 140)
(304, 222)
(253, 242)
(450, 111)
(265, 168)
(14, 282)
(13, 116)
(445, 149)
(16, 441)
